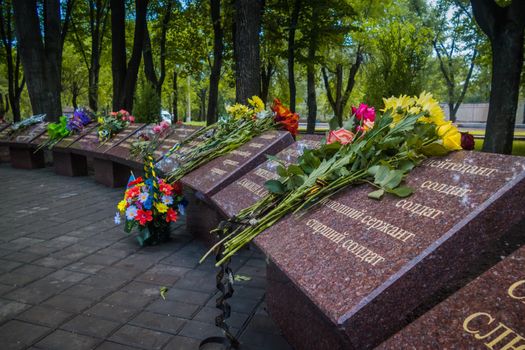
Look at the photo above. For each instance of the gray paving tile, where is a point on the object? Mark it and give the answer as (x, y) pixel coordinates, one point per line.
(63, 340)
(95, 327)
(16, 335)
(68, 303)
(45, 316)
(162, 323)
(111, 312)
(140, 337)
(173, 308)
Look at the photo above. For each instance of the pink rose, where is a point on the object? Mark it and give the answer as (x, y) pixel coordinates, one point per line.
(131, 119)
(364, 112)
(113, 114)
(123, 118)
(164, 125)
(342, 136)
(123, 112)
(157, 129)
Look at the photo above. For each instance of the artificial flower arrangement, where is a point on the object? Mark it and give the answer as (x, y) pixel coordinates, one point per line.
(243, 123)
(147, 141)
(150, 204)
(374, 148)
(24, 124)
(67, 125)
(112, 124)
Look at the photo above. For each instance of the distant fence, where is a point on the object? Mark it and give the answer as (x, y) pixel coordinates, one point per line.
(478, 112)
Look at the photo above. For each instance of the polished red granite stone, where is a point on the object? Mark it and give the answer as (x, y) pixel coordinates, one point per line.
(220, 172)
(69, 140)
(358, 267)
(23, 138)
(179, 134)
(121, 152)
(466, 319)
(248, 189)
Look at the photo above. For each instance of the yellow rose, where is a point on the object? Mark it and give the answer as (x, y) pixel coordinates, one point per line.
(450, 135)
(161, 207)
(122, 205)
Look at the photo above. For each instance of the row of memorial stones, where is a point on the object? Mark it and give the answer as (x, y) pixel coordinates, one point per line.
(352, 272)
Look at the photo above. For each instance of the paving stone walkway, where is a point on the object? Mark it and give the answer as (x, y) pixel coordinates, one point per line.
(71, 279)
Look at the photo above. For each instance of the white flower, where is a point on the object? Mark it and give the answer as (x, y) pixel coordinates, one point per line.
(168, 200)
(253, 222)
(143, 196)
(131, 212)
(117, 218)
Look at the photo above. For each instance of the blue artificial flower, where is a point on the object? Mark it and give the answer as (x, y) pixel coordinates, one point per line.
(182, 209)
(168, 200)
(131, 212)
(117, 218)
(148, 203)
(82, 116)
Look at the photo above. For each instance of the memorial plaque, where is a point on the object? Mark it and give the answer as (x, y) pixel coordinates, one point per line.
(166, 165)
(24, 137)
(89, 144)
(69, 140)
(220, 172)
(248, 189)
(178, 134)
(347, 273)
(489, 313)
(4, 126)
(122, 150)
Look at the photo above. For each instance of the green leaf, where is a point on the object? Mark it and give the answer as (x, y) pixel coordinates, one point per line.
(129, 225)
(334, 124)
(381, 173)
(163, 290)
(392, 180)
(295, 169)
(405, 166)
(376, 194)
(241, 278)
(401, 191)
(274, 186)
(281, 171)
(296, 181)
(434, 149)
(373, 170)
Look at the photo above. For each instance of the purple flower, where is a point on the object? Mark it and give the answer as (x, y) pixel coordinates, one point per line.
(82, 116)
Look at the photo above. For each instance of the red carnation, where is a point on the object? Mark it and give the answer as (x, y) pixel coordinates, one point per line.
(467, 141)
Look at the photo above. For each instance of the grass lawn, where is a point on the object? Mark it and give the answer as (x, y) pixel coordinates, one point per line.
(518, 147)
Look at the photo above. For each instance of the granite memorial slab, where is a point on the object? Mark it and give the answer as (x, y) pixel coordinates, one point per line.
(489, 313)
(249, 188)
(220, 172)
(179, 134)
(121, 152)
(22, 147)
(346, 274)
(67, 163)
(167, 163)
(201, 214)
(107, 171)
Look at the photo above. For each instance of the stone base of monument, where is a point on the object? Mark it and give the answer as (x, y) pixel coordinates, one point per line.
(201, 218)
(26, 158)
(70, 164)
(109, 173)
(303, 324)
(4, 154)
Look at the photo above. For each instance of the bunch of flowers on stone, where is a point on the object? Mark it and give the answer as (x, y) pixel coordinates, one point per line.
(243, 123)
(113, 123)
(18, 127)
(147, 141)
(67, 125)
(150, 204)
(370, 147)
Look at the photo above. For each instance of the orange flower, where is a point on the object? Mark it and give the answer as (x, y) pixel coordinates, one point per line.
(286, 118)
(342, 136)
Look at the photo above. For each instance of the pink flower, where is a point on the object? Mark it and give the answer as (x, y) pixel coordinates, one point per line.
(367, 126)
(113, 114)
(364, 112)
(131, 119)
(157, 129)
(123, 112)
(164, 125)
(342, 136)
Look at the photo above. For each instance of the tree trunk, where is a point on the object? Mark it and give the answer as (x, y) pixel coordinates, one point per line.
(175, 107)
(41, 63)
(266, 78)
(202, 103)
(507, 61)
(291, 52)
(248, 62)
(215, 6)
(149, 68)
(310, 87)
(125, 76)
(118, 50)
(504, 26)
(451, 109)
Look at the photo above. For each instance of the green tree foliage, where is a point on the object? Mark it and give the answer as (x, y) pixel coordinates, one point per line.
(147, 103)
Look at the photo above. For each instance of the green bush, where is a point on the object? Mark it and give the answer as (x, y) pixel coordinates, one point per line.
(147, 104)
